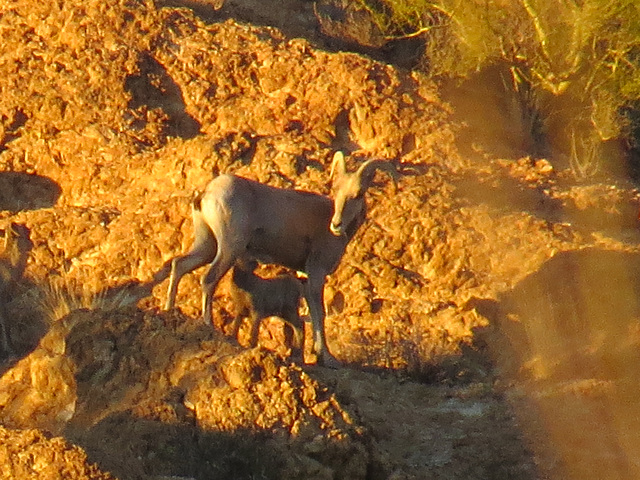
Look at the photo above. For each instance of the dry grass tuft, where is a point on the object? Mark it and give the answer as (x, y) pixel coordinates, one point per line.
(62, 296)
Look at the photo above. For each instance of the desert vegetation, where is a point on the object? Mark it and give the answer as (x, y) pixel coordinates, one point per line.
(572, 66)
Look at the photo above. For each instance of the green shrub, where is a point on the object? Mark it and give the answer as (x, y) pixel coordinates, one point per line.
(580, 58)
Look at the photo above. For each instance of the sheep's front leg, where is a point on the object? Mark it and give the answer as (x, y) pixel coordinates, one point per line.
(315, 300)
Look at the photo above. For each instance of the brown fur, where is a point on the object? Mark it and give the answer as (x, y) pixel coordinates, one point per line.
(261, 297)
(237, 217)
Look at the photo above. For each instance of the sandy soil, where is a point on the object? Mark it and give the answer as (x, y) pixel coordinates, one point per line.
(486, 312)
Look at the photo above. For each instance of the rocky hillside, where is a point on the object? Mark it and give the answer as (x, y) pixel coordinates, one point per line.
(485, 313)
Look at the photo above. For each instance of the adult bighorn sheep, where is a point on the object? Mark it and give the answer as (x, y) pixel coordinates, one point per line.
(235, 217)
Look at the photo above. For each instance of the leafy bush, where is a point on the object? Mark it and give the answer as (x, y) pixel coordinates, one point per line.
(580, 58)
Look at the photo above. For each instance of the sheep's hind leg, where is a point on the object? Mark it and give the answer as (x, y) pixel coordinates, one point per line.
(203, 252)
(183, 265)
(220, 265)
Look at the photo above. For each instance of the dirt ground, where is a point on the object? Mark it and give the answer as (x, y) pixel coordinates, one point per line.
(485, 313)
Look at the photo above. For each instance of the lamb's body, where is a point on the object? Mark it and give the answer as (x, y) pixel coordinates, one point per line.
(260, 298)
(237, 218)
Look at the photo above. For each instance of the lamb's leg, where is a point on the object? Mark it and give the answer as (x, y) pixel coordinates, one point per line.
(294, 339)
(292, 327)
(235, 326)
(255, 329)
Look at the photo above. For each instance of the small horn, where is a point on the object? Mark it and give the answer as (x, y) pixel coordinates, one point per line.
(337, 165)
(368, 169)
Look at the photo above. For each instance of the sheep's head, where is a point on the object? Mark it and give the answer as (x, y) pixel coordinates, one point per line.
(349, 208)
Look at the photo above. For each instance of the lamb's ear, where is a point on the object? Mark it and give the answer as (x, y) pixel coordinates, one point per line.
(247, 263)
(338, 166)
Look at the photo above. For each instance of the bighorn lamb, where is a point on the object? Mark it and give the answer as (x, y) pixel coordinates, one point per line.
(260, 297)
(235, 217)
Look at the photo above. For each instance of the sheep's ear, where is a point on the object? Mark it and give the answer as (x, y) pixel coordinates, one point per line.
(338, 166)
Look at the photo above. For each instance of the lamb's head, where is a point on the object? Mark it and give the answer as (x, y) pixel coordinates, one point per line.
(247, 264)
(349, 208)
